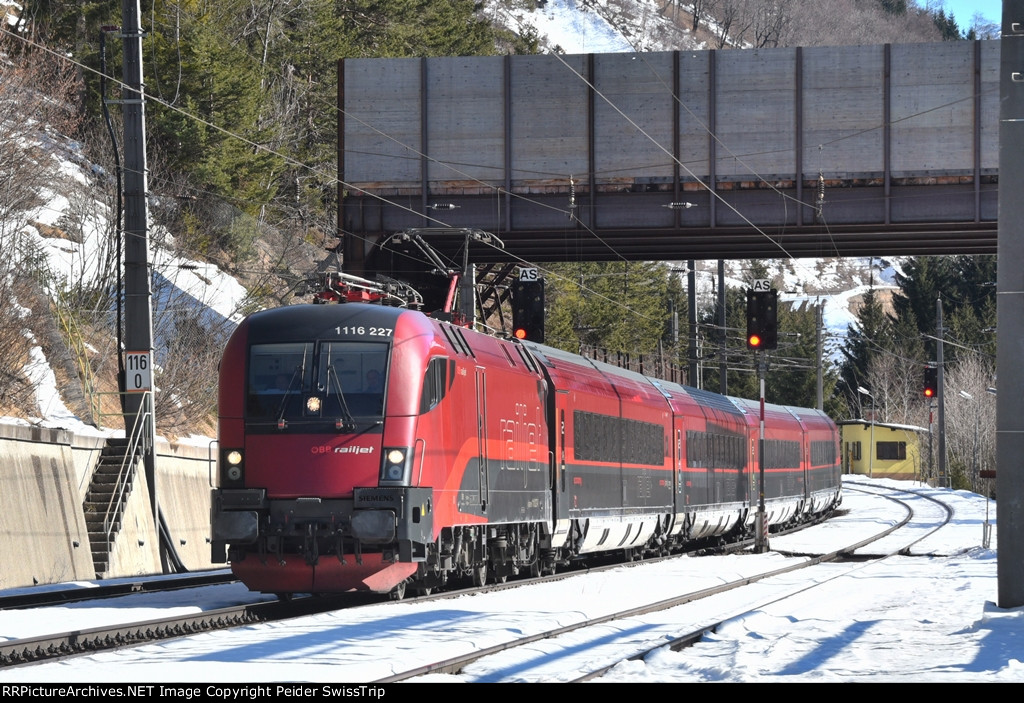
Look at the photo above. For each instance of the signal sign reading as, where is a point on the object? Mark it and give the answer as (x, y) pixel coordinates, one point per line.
(138, 372)
(529, 274)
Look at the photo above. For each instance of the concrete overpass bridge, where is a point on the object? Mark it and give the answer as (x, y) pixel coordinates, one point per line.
(803, 152)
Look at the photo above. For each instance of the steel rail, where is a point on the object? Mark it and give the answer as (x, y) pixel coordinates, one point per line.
(455, 665)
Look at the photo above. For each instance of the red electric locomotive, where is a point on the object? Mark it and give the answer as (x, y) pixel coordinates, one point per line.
(365, 447)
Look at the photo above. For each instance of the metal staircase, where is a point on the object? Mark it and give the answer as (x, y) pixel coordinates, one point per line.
(106, 499)
(111, 485)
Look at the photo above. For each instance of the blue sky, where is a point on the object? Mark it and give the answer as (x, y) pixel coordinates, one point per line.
(963, 10)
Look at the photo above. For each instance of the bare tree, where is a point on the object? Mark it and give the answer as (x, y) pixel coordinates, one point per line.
(36, 98)
(700, 9)
(770, 23)
(732, 22)
(970, 413)
(896, 390)
(771, 19)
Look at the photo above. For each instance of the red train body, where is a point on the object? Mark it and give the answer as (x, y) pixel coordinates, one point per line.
(365, 447)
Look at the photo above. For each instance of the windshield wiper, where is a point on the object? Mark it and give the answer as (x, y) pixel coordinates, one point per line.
(349, 422)
(296, 376)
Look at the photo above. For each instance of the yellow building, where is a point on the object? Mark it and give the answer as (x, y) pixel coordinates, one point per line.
(884, 450)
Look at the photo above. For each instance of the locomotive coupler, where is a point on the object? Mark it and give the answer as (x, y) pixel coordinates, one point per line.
(310, 549)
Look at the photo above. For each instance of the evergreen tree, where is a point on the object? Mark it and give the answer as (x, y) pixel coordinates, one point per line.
(947, 26)
(864, 341)
(617, 306)
(792, 376)
(894, 7)
(966, 285)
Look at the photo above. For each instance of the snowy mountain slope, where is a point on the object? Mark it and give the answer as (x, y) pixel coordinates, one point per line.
(593, 26)
(66, 239)
(70, 227)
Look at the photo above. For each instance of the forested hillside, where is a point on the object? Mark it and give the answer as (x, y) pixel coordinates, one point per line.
(241, 112)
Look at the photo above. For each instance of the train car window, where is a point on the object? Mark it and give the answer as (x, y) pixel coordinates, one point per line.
(607, 438)
(278, 375)
(435, 384)
(695, 456)
(823, 453)
(717, 450)
(782, 454)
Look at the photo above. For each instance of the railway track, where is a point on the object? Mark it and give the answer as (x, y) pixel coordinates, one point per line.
(40, 598)
(378, 668)
(129, 632)
(527, 659)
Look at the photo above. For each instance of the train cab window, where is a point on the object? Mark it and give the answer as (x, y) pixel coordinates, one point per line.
(435, 384)
(352, 378)
(278, 374)
(303, 381)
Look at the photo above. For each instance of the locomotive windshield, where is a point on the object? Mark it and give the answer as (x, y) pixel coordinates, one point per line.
(340, 382)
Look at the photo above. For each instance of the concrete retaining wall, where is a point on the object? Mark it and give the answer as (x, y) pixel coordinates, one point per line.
(44, 475)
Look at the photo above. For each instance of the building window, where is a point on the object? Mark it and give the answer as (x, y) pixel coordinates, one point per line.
(891, 451)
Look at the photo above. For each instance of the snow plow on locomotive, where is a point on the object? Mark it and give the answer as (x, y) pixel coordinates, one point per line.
(374, 448)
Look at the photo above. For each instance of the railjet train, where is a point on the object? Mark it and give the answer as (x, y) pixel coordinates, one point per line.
(373, 448)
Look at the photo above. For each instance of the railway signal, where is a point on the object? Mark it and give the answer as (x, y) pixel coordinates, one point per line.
(762, 318)
(528, 309)
(931, 381)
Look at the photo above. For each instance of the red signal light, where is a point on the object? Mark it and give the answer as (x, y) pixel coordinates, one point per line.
(754, 341)
(931, 381)
(520, 333)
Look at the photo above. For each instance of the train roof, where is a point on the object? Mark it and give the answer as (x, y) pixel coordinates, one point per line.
(299, 322)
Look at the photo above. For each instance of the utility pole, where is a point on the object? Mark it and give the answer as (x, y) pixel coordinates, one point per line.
(723, 367)
(817, 343)
(691, 288)
(138, 337)
(1010, 311)
(941, 394)
(761, 521)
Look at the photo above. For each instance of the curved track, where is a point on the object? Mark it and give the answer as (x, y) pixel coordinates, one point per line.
(363, 642)
(545, 656)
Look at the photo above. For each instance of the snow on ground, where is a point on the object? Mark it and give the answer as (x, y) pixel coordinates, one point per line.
(69, 234)
(930, 617)
(567, 24)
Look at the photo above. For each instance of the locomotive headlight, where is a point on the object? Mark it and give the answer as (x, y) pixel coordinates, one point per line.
(232, 466)
(395, 467)
(313, 404)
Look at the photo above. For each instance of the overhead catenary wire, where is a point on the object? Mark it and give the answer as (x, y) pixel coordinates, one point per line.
(294, 162)
(314, 170)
